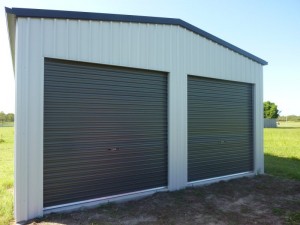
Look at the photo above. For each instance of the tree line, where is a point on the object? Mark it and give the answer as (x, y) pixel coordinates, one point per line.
(293, 118)
(9, 117)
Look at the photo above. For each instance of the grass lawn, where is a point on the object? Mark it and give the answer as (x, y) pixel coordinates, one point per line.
(6, 174)
(282, 150)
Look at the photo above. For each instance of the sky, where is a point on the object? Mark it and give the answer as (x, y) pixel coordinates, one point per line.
(269, 29)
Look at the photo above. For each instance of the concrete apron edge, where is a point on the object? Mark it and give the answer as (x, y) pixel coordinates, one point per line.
(104, 200)
(221, 178)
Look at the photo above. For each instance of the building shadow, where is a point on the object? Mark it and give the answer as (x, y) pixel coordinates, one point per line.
(283, 167)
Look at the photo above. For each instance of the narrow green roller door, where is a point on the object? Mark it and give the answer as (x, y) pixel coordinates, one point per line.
(220, 128)
(105, 131)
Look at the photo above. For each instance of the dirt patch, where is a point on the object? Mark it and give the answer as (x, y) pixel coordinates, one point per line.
(259, 200)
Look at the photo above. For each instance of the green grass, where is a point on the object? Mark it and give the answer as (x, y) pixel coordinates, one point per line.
(282, 150)
(6, 174)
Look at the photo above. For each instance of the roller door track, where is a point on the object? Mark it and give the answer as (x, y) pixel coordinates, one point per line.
(105, 131)
(220, 128)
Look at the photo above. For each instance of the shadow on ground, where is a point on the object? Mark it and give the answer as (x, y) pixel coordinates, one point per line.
(283, 167)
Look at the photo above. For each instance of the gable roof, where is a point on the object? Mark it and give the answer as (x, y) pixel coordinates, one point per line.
(59, 14)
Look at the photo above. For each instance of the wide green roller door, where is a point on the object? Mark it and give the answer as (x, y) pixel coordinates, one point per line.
(220, 128)
(105, 131)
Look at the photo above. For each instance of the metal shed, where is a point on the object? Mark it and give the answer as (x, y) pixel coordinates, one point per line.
(114, 107)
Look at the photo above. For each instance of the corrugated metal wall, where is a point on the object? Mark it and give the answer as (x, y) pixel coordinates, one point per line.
(163, 47)
(156, 47)
(270, 123)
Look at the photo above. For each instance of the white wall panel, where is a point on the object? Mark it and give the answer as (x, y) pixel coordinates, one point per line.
(29, 121)
(168, 48)
(34, 117)
(61, 44)
(150, 47)
(72, 39)
(21, 122)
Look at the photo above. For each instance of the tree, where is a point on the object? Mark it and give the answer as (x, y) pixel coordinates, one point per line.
(2, 117)
(10, 117)
(270, 110)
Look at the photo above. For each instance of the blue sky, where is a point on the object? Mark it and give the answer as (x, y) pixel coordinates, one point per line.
(269, 29)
